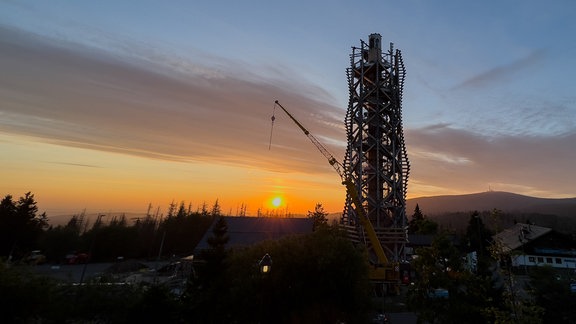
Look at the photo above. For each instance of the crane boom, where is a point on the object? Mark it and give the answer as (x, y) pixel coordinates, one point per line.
(383, 270)
(331, 159)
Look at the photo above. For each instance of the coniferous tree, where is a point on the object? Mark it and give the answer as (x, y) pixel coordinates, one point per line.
(20, 225)
(181, 210)
(216, 210)
(477, 235)
(204, 209)
(171, 209)
(420, 224)
(319, 216)
(75, 223)
(7, 220)
(416, 218)
(216, 254)
(219, 239)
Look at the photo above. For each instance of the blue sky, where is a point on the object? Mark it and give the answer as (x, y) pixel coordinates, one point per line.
(488, 100)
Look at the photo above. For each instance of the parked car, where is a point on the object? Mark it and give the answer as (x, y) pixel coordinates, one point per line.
(76, 258)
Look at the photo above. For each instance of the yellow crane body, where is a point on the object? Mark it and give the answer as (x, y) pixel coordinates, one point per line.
(383, 270)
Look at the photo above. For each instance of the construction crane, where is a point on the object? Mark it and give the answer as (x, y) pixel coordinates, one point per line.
(383, 270)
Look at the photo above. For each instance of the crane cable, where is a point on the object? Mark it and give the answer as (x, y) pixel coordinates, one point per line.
(272, 126)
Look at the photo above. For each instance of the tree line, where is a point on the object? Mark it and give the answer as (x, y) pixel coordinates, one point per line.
(23, 229)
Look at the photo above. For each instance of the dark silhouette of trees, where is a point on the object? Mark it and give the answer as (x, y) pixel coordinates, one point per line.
(24, 296)
(319, 216)
(204, 294)
(58, 242)
(22, 230)
(416, 218)
(509, 306)
(216, 210)
(315, 278)
(217, 252)
(552, 293)
(182, 233)
(29, 298)
(148, 241)
(441, 267)
(319, 277)
(20, 225)
(420, 224)
(116, 239)
(486, 294)
(478, 237)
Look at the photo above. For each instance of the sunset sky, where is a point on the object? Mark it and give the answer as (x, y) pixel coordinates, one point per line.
(110, 106)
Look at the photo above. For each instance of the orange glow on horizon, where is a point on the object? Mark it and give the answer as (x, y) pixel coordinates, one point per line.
(67, 181)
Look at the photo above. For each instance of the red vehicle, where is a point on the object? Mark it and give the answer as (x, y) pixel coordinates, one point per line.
(76, 258)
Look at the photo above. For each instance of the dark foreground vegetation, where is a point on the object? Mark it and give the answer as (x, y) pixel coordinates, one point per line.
(315, 278)
(23, 230)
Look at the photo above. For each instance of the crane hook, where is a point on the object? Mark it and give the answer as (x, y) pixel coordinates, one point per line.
(272, 126)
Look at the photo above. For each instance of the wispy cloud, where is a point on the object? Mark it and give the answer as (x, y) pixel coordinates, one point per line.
(503, 72)
(77, 164)
(94, 100)
(542, 162)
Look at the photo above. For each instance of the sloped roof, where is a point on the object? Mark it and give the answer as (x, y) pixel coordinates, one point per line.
(245, 231)
(519, 234)
(420, 239)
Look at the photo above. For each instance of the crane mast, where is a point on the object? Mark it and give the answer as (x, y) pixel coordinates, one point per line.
(382, 270)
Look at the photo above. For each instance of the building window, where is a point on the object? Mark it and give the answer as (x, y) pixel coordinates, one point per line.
(558, 261)
(548, 260)
(531, 259)
(540, 259)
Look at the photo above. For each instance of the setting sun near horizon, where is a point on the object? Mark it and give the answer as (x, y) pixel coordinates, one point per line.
(276, 202)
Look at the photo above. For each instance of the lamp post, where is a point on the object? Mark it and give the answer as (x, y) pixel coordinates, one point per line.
(265, 264)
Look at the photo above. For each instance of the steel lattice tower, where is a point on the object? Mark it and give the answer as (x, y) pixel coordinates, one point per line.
(376, 158)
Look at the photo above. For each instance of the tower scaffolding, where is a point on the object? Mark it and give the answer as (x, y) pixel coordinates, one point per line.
(376, 159)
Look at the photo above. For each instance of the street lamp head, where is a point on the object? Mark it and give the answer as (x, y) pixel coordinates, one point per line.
(265, 264)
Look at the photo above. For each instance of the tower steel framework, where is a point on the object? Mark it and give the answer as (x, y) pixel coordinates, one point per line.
(376, 158)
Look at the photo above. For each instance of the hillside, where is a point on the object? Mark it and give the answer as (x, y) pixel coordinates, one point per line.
(486, 201)
(454, 211)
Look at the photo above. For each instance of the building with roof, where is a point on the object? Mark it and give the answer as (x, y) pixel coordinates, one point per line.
(530, 245)
(246, 231)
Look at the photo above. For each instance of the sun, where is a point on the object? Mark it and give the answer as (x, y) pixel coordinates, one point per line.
(276, 202)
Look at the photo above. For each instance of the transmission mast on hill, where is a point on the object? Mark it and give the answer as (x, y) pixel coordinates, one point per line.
(376, 157)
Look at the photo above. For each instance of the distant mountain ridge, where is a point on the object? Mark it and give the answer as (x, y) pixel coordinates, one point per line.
(487, 201)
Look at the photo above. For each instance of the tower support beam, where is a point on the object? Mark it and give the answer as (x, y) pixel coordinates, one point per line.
(376, 157)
